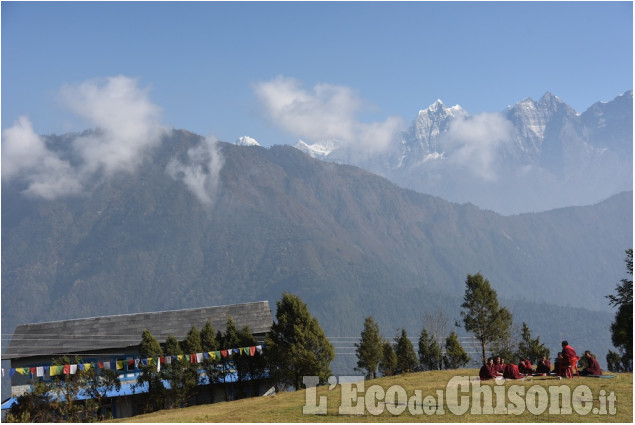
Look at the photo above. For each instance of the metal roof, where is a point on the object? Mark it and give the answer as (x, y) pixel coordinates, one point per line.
(90, 335)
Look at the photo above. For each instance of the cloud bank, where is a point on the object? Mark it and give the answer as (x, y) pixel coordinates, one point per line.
(127, 127)
(473, 143)
(201, 172)
(327, 112)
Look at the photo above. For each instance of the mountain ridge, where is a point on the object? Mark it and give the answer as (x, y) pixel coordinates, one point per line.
(348, 242)
(532, 156)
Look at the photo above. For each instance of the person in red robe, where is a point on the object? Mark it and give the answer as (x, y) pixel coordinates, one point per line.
(498, 365)
(556, 363)
(569, 357)
(525, 367)
(593, 367)
(512, 372)
(544, 366)
(488, 371)
(568, 353)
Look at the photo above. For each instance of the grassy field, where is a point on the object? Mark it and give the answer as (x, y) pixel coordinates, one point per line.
(422, 392)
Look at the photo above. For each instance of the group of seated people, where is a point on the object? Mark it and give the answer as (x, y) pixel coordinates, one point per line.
(497, 368)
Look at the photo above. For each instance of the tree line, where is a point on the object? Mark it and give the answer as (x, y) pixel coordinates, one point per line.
(490, 324)
(297, 346)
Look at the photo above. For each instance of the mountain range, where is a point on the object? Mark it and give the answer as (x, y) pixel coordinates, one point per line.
(348, 242)
(533, 156)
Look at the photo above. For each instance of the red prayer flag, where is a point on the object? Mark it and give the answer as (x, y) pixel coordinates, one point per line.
(100, 365)
(252, 351)
(192, 358)
(223, 353)
(162, 360)
(67, 369)
(33, 370)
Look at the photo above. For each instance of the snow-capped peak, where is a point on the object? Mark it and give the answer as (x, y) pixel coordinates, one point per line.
(319, 149)
(246, 141)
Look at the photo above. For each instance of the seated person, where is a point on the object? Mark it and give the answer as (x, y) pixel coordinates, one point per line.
(556, 364)
(544, 366)
(498, 364)
(488, 371)
(511, 372)
(593, 367)
(524, 367)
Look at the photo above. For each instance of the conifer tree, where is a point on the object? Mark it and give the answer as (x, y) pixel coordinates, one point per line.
(622, 327)
(297, 345)
(406, 357)
(482, 315)
(192, 343)
(210, 343)
(530, 348)
(388, 362)
(369, 348)
(150, 349)
(455, 357)
(149, 346)
(172, 346)
(429, 352)
(208, 338)
(181, 373)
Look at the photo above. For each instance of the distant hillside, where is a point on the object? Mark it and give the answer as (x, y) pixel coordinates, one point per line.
(348, 242)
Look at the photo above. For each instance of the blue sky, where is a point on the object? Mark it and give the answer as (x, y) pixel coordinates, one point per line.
(218, 68)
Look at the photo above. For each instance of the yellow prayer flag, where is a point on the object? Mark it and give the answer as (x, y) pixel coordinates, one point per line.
(87, 366)
(119, 364)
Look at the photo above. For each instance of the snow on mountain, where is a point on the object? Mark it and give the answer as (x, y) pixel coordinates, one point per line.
(246, 141)
(545, 155)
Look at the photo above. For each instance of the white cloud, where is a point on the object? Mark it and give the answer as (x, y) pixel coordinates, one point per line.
(201, 172)
(327, 112)
(24, 154)
(473, 143)
(127, 125)
(127, 121)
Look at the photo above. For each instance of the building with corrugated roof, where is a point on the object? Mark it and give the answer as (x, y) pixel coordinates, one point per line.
(115, 340)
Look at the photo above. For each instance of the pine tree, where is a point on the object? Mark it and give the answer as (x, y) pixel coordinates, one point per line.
(181, 373)
(429, 352)
(406, 357)
(297, 345)
(150, 348)
(622, 327)
(531, 349)
(172, 346)
(369, 349)
(208, 338)
(388, 362)
(209, 343)
(192, 343)
(455, 357)
(482, 315)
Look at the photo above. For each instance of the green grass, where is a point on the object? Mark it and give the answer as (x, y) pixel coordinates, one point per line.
(287, 407)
